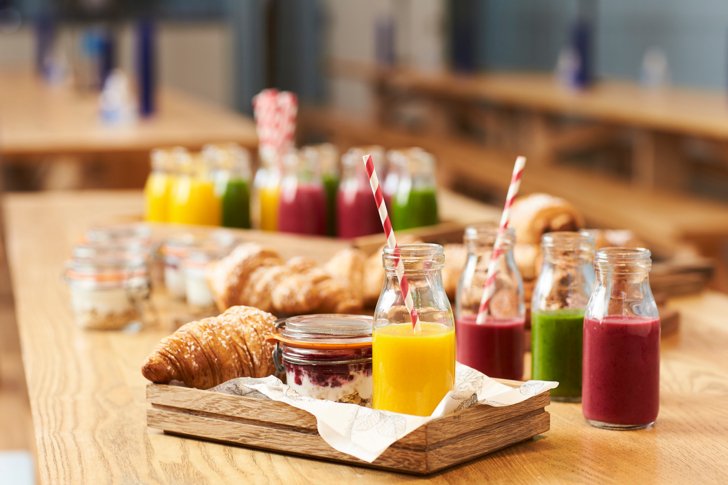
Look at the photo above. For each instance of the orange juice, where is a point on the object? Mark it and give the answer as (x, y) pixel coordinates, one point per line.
(194, 201)
(268, 199)
(411, 371)
(157, 196)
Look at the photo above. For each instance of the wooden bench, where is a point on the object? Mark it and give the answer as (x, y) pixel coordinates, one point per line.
(663, 219)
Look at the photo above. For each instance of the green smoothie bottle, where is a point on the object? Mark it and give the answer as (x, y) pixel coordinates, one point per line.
(414, 204)
(231, 173)
(557, 311)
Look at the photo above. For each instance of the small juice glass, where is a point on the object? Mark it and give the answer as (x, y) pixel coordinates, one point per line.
(413, 369)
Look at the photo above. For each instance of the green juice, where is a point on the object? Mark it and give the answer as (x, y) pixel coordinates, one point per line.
(556, 348)
(236, 204)
(416, 208)
(331, 187)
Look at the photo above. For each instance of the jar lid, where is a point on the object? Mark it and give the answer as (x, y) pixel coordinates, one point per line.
(120, 233)
(180, 245)
(325, 331)
(105, 269)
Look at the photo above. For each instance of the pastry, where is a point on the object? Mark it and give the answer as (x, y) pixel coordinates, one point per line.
(208, 352)
(455, 257)
(534, 215)
(528, 259)
(255, 276)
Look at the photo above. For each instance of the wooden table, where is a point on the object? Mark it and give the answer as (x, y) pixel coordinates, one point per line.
(39, 119)
(88, 396)
(655, 116)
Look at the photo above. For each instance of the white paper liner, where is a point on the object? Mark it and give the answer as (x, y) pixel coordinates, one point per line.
(366, 433)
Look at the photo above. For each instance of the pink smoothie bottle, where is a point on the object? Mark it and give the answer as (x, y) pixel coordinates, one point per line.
(495, 347)
(621, 363)
(302, 199)
(356, 211)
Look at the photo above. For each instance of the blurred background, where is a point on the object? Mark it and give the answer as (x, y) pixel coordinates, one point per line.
(619, 105)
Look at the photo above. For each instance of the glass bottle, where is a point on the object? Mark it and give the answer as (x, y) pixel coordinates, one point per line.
(302, 200)
(557, 311)
(231, 173)
(356, 209)
(413, 368)
(415, 202)
(266, 192)
(326, 157)
(194, 200)
(396, 166)
(158, 187)
(496, 346)
(621, 366)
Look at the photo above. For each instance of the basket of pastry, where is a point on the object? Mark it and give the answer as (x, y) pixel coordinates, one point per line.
(305, 385)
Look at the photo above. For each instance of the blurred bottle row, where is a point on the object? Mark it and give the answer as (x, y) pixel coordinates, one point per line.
(312, 191)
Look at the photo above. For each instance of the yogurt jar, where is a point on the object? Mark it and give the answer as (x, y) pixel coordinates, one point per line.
(108, 293)
(327, 356)
(176, 249)
(197, 290)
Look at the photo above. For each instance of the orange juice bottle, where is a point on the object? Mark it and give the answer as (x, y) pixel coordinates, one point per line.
(266, 194)
(194, 200)
(158, 189)
(413, 368)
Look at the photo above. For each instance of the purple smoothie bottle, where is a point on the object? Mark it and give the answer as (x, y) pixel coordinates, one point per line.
(621, 364)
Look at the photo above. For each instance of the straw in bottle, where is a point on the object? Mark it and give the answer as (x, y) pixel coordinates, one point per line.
(391, 240)
(489, 287)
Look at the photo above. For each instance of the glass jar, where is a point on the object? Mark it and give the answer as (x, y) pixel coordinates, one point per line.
(230, 165)
(266, 191)
(557, 311)
(356, 210)
(496, 346)
(197, 290)
(413, 367)
(302, 200)
(415, 202)
(327, 356)
(621, 374)
(108, 293)
(177, 248)
(120, 234)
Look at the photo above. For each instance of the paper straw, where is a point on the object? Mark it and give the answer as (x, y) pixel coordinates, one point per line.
(391, 240)
(275, 117)
(489, 287)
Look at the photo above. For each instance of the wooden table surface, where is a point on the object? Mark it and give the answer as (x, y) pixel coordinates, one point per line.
(38, 119)
(686, 111)
(88, 397)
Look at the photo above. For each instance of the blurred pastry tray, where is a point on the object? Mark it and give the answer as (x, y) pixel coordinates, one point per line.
(257, 422)
(672, 274)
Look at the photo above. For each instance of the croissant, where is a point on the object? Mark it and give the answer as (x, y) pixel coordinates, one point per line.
(536, 214)
(255, 276)
(208, 352)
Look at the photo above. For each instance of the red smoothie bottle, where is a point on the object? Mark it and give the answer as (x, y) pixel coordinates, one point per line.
(494, 346)
(356, 210)
(621, 364)
(302, 202)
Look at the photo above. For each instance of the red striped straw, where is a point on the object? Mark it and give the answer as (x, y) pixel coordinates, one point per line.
(391, 240)
(489, 287)
(275, 116)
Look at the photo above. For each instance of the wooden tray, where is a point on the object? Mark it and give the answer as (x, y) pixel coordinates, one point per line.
(257, 422)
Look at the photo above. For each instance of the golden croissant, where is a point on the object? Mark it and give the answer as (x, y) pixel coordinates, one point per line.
(208, 352)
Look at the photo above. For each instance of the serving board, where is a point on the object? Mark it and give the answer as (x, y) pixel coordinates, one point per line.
(258, 422)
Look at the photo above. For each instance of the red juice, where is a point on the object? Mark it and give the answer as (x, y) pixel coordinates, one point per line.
(621, 371)
(357, 213)
(495, 348)
(302, 209)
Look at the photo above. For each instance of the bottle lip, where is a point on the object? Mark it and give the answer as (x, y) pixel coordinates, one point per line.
(411, 254)
(623, 259)
(571, 241)
(487, 232)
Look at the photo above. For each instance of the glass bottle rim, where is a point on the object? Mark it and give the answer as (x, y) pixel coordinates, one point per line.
(619, 259)
(569, 243)
(411, 254)
(487, 233)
